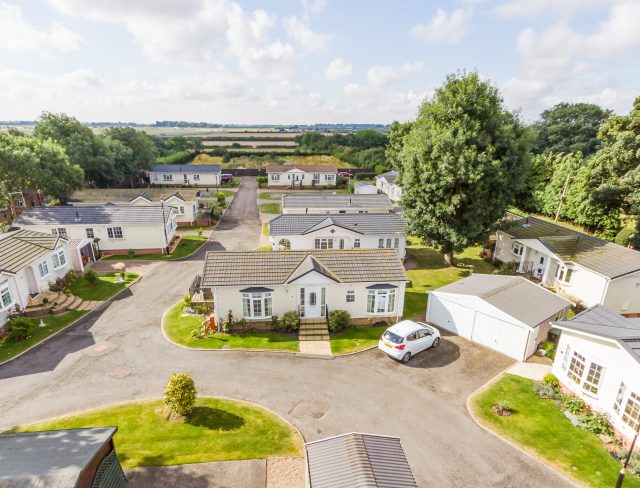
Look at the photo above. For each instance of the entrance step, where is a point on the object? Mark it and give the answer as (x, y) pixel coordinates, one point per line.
(313, 329)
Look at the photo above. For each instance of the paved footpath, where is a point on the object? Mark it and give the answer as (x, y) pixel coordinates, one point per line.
(119, 354)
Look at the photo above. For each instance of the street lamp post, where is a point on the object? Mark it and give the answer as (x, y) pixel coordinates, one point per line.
(626, 461)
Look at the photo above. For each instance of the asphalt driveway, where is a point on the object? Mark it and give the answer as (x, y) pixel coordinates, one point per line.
(423, 402)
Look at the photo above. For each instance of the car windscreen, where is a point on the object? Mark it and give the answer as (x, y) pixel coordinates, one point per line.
(391, 337)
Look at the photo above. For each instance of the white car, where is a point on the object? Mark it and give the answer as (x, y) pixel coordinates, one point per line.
(407, 338)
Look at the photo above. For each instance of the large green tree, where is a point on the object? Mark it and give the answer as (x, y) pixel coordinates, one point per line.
(29, 163)
(570, 127)
(142, 151)
(462, 163)
(395, 141)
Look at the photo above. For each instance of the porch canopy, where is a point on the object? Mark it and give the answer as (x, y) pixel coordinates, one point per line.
(81, 253)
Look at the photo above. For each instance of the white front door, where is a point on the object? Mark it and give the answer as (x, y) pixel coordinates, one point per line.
(539, 268)
(312, 302)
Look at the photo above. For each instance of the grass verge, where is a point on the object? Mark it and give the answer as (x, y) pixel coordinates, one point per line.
(270, 208)
(187, 245)
(179, 329)
(218, 430)
(266, 195)
(104, 289)
(355, 339)
(53, 323)
(538, 425)
(265, 229)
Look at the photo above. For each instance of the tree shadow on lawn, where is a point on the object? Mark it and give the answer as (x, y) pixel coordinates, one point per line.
(215, 419)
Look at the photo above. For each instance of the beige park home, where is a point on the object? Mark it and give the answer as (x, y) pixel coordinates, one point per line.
(335, 204)
(301, 175)
(185, 175)
(256, 285)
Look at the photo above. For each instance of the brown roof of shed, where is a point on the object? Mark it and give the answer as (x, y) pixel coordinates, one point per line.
(309, 168)
(230, 268)
(23, 247)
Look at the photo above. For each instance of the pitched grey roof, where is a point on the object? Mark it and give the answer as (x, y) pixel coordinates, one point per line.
(600, 321)
(122, 195)
(390, 176)
(300, 224)
(186, 168)
(51, 459)
(308, 168)
(601, 256)
(234, 268)
(362, 184)
(96, 214)
(514, 295)
(336, 201)
(362, 460)
(20, 249)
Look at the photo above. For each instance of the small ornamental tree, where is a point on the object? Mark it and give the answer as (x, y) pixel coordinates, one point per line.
(180, 394)
(91, 277)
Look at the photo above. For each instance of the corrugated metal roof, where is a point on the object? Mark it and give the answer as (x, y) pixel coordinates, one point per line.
(186, 168)
(601, 256)
(336, 201)
(359, 460)
(299, 224)
(20, 249)
(95, 214)
(230, 268)
(309, 168)
(516, 296)
(51, 459)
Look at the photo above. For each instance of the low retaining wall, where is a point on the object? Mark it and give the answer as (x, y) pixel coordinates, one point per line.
(110, 252)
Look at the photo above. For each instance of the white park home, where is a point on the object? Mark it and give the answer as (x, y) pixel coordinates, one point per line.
(256, 285)
(114, 228)
(598, 359)
(508, 314)
(335, 204)
(28, 262)
(364, 188)
(338, 231)
(301, 175)
(185, 174)
(387, 184)
(584, 268)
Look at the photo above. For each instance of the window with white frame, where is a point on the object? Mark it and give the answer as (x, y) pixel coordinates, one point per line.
(588, 373)
(115, 233)
(380, 243)
(196, 177)
(90, 233)
(167, 177)
(381, 301)
(567, 357)
(631, 413)
(576, 368)
(592, 380)
(396, 243)
(6, 300)
(180, 209)
(257, 305)
(275, 177)
(43, 269)
(186, 178)
(517, 249)
(341, 244)
(323, 243)
(59, 259)
(316, 178)
(563, 273)
(351, 296)
(617, 403)
(328, 177)
(193, 208)
(60, 232)
(356, 243)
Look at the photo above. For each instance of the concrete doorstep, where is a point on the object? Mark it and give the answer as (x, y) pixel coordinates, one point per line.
(320, 348)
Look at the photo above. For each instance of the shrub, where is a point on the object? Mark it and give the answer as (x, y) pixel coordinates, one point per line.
(573, 404)
(199, 231)
(502, 408)
(508, 268)
(339, 319)
(596, 422)
(45, 300)
(545, 391)
(549, 347)
(123, 275)
(262, 181)
(365, 175)
(275, 322)
(180, 394)
(187, 300)
(624, 236)
(202, 310)
(91, 277)
(551, 380)
(20, 329)
(216, 213)
(289, 321)
(62, 283)
(131, 253)
(221, 200)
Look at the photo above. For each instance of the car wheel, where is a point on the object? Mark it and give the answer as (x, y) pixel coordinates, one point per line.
(436, 342)
(406, 357)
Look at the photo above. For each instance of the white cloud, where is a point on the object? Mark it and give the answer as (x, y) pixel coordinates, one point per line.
(308, 39)
(17, 35)
(444, 26)
(535, 8)
(390, 75)
(338, 68)
(314, 6)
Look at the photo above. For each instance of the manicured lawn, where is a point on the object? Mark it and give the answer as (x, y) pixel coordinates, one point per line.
(53, 323)
(270, 208)
(540, 426)
(265, 195)
(104, 289)
(265, 229)
(218, 430)
(179, 328)
(263, 248)
(432, 273)
(187, 245)
(355, 339)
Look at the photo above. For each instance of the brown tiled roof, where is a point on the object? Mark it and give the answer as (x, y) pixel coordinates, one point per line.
(229, 268)
(22, 248)
(309, 168)
(601, 256)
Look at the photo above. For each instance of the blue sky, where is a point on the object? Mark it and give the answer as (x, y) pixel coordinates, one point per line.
(306, 61)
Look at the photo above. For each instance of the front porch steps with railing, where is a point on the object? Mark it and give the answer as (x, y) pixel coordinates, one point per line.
(64, 303)
(313, 329)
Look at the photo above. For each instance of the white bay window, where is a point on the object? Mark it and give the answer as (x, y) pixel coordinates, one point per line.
(381, 301)
(6, 300)
(257, 305)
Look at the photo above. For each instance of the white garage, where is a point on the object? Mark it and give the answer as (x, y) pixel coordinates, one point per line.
(508, 314)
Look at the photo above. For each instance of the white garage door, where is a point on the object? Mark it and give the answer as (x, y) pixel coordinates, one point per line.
(450, 316)
(501, 336)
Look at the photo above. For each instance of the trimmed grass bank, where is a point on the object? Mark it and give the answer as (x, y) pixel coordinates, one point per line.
(104, 289)
(538, 425)
(178, 329)
(355, 339)
(218, 430)
(53, 323)
(270, 208)
(187, 245)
